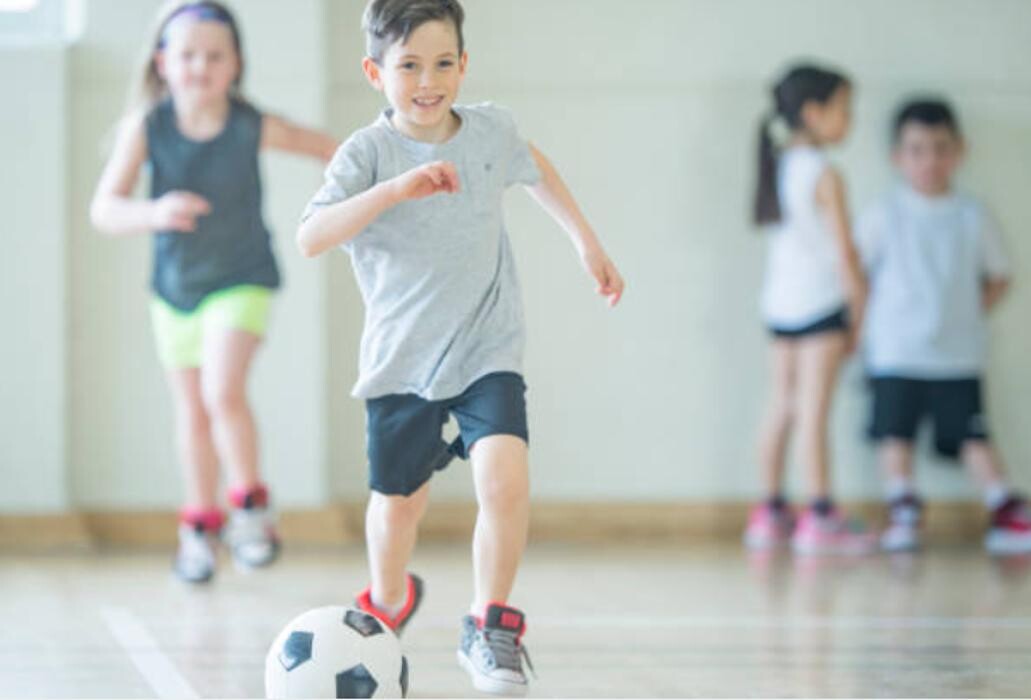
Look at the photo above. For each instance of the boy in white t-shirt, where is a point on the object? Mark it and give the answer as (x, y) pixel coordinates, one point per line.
(936, 268)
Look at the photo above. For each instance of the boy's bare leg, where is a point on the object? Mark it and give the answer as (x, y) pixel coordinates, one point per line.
(391, 530)
(501, 474)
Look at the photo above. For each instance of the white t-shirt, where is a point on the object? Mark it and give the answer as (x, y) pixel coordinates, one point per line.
(803, 282)
(927, 259)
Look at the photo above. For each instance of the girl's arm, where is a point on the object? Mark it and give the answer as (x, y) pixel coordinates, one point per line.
(994, 289)
(338, 223)
(280, 134)
(830, 196)
(555, 198)
(114, 211)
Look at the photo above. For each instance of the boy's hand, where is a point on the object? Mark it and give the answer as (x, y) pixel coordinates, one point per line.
(427, 180)
(603, 270)
(178, 211)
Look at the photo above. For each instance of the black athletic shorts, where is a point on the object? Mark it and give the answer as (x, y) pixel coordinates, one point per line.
(955, 407)
(404, 441)
(836, 322)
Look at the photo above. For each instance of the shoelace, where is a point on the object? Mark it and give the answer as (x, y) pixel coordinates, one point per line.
(507, 651)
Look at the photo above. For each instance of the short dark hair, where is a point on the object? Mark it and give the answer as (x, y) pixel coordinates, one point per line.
(928, 112)
(387, 21)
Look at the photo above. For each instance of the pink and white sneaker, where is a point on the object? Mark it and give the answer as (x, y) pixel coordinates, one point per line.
(1010, 528)
(769, 527)
(831, 534)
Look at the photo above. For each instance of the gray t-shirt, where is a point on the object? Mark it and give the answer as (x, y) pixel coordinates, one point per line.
(927, 259)
(442, 300)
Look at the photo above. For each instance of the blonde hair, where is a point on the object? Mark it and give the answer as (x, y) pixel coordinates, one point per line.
(149, 87)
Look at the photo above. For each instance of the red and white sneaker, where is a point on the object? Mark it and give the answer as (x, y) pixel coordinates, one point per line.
(397, 622)
(251, 531)
(1010, 529)
(831, 534)
(905, 515)
(769, 527)
(491, 651)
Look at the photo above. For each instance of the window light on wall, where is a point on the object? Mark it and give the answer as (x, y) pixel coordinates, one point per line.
(39, 22)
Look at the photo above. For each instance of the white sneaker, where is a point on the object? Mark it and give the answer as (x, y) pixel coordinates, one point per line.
(1010, 529)
(492, 653)
(195, 558)
(903, 532)
(251, 537)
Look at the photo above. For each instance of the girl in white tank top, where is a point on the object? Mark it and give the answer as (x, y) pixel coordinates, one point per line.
(812, 301)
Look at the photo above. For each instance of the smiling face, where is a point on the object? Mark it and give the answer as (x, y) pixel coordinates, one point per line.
(199, 61)
(928, 156)
(420, 79)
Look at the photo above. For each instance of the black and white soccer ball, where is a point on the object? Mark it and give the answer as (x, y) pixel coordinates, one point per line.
(336, 652)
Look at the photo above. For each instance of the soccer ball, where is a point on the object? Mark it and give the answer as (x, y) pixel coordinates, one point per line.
(336, 652)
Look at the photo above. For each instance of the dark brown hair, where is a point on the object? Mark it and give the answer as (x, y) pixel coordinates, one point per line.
(387, 21)
(802, 84)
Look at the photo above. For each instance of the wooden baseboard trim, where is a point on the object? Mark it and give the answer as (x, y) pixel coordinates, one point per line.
(453, 521)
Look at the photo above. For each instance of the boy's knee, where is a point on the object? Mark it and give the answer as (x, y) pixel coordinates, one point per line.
(399, 511)
(504, 493)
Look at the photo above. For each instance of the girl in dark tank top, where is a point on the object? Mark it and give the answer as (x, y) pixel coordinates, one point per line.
(214, 270)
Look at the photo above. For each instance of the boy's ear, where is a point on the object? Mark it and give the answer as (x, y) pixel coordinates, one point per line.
(372, 72)
(463, 63)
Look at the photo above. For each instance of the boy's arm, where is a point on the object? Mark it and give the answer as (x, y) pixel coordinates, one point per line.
(113, 209)
(993, 291)
(283, 135)
(555, 198)
(340, 222)
(830, 195)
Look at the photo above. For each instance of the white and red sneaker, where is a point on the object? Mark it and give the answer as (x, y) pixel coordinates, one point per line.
(491, 651)
(769, 527)
(905, 516)
(413, 598)
(831, 534)
(251, 533)
(1010, 529)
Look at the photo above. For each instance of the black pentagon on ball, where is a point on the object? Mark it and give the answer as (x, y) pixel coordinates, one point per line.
(356, 682)
(296, 650)
(404, 677)
(363, 623)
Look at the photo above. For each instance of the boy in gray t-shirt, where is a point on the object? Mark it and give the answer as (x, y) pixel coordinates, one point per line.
(416, 200)
(936, 267)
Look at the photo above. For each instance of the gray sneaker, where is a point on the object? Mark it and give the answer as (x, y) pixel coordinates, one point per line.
(195, 558)
(492, 653)
(251, 537)
(904, 518)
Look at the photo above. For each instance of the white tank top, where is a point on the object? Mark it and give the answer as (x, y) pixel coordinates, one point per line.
(803, 281)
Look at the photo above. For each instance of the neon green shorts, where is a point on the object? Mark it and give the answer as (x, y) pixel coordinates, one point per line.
(180, 334)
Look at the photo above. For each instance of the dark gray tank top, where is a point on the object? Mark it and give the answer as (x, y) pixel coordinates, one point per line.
(231, 245)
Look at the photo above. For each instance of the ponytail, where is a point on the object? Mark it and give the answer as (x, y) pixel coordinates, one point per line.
(803, 83)
(767, 201)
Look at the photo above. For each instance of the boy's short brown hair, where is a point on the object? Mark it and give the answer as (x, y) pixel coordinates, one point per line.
(387, 21)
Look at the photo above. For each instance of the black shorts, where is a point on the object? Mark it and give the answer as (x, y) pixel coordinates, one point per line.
(836, 322)
(955, 407)
(404, 441)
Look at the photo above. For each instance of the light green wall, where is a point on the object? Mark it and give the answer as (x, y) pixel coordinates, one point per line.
(648, 108)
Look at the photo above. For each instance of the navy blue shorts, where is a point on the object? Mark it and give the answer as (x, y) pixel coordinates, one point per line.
(955, 407)
(836, 322)
(404, 441)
